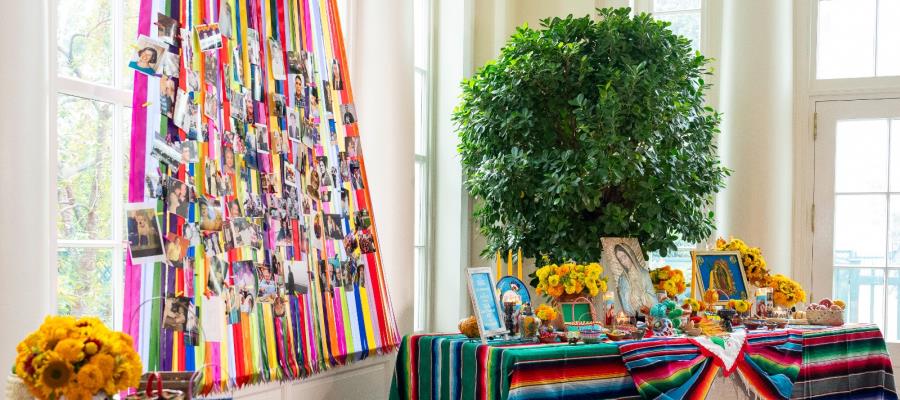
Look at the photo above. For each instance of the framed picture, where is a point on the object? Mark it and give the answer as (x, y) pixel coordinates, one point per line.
(513, 290)
(629, 278)
(485, 302)
(722, 271)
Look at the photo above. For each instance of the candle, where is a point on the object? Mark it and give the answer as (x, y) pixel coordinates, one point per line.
(509, 263)
(499, 271)
(520, 263)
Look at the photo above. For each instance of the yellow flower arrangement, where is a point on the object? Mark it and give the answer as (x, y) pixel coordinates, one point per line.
(76, 358)
(694, 304)
(751, 258)
(570, 278)
(546, 313)
(785, 291)
(740, 306)
(710, 296)
(669, 280)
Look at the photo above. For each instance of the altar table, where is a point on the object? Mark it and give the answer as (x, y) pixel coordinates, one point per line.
(834, 363)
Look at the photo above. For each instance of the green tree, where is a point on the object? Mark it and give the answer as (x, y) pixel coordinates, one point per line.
(584, 129)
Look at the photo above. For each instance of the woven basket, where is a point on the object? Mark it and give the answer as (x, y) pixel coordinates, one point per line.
(825, 317)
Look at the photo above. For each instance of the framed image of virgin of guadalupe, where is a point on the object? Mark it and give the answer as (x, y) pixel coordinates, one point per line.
(722, 271)
(629, 278)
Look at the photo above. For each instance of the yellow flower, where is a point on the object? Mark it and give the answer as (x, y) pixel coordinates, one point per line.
(71, 350)
(90, 377)
(553, 280)
(57, 373)
(105, 363)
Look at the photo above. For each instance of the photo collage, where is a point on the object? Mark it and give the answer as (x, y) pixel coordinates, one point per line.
(255, 186)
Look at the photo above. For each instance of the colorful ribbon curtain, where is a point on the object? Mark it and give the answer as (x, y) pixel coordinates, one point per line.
(274, 129)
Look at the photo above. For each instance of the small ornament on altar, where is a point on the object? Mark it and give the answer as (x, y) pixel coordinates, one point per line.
(661, 324)
(528, 323)
(622, 319)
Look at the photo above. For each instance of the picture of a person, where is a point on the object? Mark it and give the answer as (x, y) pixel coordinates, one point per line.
(146, 61)
(336, 79)
(720, 278)
(633, 288)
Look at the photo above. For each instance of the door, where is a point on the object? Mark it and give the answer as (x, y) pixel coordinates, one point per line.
(856, 243)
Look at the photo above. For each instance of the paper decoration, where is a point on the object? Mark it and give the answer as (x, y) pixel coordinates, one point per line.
(245, 141)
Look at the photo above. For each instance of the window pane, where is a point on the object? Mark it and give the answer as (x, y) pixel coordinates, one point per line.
(84, 283)
(888, 37)
(125, 137)
(84, 40)
(421, 105)
(84, 140)
(859, 230)
(861, 156)
(863, 291)
(130, 10)
(419, 288)
(894, 235)
(685, 24)
(680, 259)
(892, 325)
(846, 39)
(420, 32)
(675, 5)
(421, 207)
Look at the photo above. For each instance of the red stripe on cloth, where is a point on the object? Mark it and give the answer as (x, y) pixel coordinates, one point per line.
(597, 370)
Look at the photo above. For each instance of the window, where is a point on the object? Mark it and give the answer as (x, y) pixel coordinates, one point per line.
(91, 131)
(857, 38)
(685, 16)
(422, 102)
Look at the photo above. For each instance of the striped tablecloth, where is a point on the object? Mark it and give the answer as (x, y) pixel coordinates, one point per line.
(846, 362)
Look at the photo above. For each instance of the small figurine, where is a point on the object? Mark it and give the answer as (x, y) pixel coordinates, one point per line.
(661, 325)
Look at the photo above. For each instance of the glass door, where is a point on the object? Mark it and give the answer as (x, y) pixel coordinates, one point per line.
(856, 246)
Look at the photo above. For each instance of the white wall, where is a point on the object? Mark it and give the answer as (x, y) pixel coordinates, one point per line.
(24, 177)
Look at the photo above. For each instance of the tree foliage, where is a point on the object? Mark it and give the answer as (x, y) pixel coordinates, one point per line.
(584, 129)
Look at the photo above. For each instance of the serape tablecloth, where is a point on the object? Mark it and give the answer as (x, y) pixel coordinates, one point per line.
(846, 362)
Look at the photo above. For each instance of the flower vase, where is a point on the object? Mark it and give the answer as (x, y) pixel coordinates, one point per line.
(16, 389)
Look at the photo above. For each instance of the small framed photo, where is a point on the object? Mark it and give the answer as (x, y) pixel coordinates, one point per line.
(481, 284)
(144, 236)
(722, 271)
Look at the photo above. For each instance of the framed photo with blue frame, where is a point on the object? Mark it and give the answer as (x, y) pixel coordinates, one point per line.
(722, 271)
(485, 302)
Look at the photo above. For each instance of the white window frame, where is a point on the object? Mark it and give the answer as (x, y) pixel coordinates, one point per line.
(808, 90)
(422, 319)
(119, 99)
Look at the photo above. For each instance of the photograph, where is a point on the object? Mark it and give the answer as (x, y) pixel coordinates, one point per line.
(189, 151)
(628, 276)
(148, 56)
(210, 215)
(262, 138)
(280, 306)
(367, 242)
(337, 79)
(144, 236)
(217, 274)
(356, 175)
(277, 56)
(212, 185)
(250, 152)
(176, 249)
(297, 279)
(237, 107)
(175, 313)
(182, 115)
(290, 175)
(266, 283)
(245, 284)
(253, 48)
(225, 16)
(211, 69)
(334, 226)
(245, 233)
(348, 114)
(212, 243)
(191, 328)
(252, 206)
(178, 197)
(279, 106)
(299, 91)
(167, 29)
(210, 37)
(723, 272)
(167, 89)
(165, 154)
(293, 124)
(351, 143)
(169, 64)
(362, 219)
(211, 103)
(294, 61)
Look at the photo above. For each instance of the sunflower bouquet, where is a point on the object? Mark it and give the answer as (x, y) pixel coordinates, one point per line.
(751, 258)
(545, 312)
(785, 291)
(76, 358)
(569, 278)
(668, 279)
